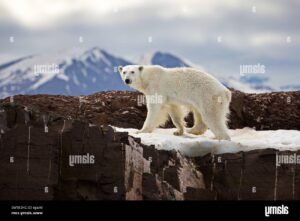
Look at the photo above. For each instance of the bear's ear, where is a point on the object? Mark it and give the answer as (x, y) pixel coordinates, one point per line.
(120, 68)
(141, 68)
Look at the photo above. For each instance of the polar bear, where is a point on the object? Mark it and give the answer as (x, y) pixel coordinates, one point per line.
(181, 89)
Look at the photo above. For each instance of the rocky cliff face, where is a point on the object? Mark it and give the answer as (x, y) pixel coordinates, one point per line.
(59, 147)
(38, 162)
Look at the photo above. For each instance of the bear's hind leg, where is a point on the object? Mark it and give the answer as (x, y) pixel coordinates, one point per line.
(217, 124)
(177, 117)
(199, 126)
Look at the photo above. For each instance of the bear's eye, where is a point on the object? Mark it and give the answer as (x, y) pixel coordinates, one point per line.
(132, 72)
(124, 72)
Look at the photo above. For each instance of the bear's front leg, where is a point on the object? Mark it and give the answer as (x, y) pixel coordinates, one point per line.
(151, 121)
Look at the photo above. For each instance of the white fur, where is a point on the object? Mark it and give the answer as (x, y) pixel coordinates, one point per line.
(181, 88)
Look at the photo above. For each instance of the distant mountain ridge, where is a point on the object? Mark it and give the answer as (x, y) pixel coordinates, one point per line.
(80, 73)
(83, 72)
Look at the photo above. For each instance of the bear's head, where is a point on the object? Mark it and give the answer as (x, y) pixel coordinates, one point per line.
(131, 75)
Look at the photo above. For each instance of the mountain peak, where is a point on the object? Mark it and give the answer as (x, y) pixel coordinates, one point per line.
(94, 52)
(162, 58)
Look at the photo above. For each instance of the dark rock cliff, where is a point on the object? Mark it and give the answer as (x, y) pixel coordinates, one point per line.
(41, 135)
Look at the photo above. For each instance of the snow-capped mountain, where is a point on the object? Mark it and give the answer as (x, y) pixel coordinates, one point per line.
(79, 72)
(290, 87)
(171, 60)
(258, 82)
(164, 59)
(74, 72)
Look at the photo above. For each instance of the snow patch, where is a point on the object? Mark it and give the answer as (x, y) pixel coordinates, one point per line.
(75, 80)
(63, 77)
(245, 139)
(45, 78)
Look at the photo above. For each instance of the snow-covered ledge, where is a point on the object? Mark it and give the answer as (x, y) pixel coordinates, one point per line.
(245, 139)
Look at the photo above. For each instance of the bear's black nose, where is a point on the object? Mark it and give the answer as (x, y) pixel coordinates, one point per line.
(127, 81)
